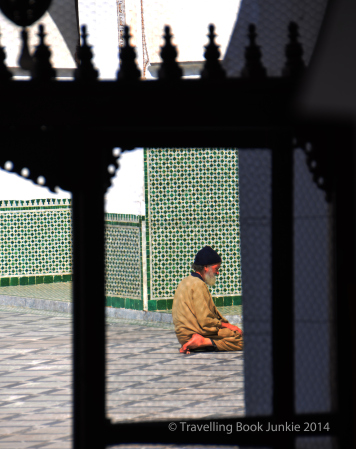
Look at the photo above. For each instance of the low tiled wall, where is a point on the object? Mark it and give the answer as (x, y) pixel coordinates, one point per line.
(36, 248)
(124, 267)
(36, 241)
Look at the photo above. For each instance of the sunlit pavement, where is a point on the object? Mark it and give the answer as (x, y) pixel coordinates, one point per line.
(147, 378)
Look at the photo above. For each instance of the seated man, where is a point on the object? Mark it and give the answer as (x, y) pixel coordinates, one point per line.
(197, 321)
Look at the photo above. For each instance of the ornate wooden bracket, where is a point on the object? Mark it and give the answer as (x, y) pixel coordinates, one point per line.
(318, 148)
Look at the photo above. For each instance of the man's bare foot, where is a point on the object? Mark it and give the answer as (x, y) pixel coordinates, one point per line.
(196, 341)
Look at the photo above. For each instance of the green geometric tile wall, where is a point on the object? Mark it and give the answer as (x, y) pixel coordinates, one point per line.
(36, 246)
(35, 238)
(123, 256)
(192, 200)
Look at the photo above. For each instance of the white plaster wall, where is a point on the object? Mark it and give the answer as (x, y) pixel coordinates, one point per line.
(189, 21)
(100, 17)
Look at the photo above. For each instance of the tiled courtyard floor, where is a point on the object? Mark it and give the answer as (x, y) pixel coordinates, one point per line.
(147, 377)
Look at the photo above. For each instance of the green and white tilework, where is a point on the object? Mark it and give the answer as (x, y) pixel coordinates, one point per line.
(35, 241)
(192, 200)
(36, 248)
(123, 239)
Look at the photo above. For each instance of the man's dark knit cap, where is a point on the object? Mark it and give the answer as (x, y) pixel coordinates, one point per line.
(207, 256)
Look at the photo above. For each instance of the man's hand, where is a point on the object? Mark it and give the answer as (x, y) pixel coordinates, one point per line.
(232, 327)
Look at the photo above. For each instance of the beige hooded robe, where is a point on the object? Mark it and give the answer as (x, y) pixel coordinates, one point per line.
(194, 312)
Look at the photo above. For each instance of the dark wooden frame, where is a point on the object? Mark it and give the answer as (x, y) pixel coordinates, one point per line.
(66, 132)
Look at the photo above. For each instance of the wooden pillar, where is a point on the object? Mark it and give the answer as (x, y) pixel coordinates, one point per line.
(88, 306)
(282, 286)
(344, 204)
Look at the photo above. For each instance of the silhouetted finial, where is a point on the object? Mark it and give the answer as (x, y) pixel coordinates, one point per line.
(212, 67)
(128, 70)
(25, 60)
(5, 73)
(253, 65)
(169, 69)
(294, 65)
(86, 70)
(42, 68)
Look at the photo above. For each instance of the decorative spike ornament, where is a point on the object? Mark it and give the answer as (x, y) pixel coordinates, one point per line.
(294, 65)
(25, 60)
(5, 73)
(253, 65)
(169, 69)
(128, 70)
(212, 67)
(86, 70)
(42, 69)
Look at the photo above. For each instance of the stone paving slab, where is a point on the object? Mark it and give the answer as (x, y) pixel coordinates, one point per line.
(147, 378)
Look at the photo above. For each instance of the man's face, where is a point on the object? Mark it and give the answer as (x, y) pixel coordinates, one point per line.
(210, 274)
